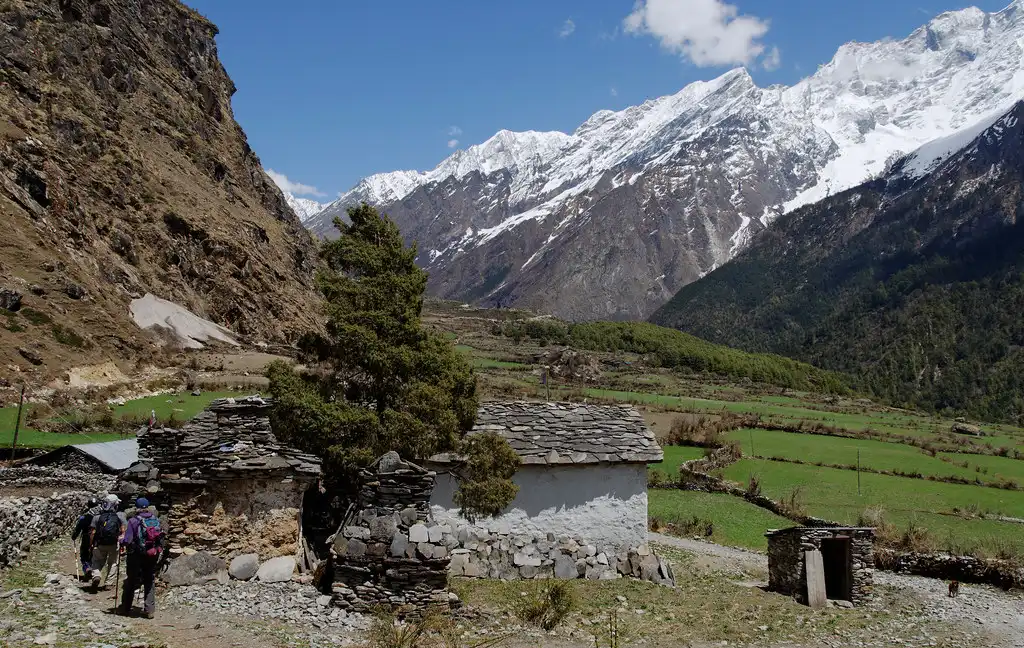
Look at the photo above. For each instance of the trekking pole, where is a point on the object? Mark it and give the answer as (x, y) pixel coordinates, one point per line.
(117, 576)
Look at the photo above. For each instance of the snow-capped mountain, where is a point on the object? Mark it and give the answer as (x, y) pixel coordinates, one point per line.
(304, 208)
(613, 219)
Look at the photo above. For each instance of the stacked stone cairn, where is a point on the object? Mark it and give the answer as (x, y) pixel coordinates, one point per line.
(388, 553)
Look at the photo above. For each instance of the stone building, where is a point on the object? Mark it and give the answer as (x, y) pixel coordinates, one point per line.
(847, 555)
(108, 457)
(583, 473)
(388, 551)
(227, 484)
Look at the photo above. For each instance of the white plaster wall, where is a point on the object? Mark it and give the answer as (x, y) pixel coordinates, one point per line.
(606, 505)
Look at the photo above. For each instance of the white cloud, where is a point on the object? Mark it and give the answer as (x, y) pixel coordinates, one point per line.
(615, 93)
(567, 29)
(296, 188)
(772, 60)
(705, 32)
(454, 131)
(452, 143)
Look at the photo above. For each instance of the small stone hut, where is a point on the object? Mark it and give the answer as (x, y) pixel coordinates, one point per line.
(583, 472)
(108, 457)
(847, 557)
(388, 552)
(227, 483)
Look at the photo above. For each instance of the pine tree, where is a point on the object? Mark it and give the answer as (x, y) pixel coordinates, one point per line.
(376, 380)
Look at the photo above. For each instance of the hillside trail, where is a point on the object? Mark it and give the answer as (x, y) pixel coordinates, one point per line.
(999, 613)
(174, 626)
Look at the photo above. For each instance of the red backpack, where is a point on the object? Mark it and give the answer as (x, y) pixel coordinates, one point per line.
(150, 537)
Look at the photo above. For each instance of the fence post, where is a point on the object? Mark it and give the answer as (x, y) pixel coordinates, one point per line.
(17, 422)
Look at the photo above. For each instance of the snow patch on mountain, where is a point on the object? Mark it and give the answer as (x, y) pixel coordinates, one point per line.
(304, 208)
(927, 158)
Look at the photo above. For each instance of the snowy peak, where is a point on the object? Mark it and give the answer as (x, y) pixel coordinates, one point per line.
(635, 203)
(304, 208)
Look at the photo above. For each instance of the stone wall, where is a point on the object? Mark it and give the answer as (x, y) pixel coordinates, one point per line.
(388, 553)
(786, 564)
(604, 503)
(478, 552)
(27, 521)
(39, 478)
(968, 569)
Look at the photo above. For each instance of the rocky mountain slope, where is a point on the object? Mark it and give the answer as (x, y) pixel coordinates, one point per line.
(613, 219)
(914, 281)
(123, 172)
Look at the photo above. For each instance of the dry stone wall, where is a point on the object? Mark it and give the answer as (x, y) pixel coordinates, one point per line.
(40, 477)
(944, 566)
(27, 521)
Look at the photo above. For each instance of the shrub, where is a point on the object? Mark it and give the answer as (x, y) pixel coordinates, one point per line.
(656, 478)
(68, 337)
(793, 505)
(754, 487)
(547, 607)
(36, 317)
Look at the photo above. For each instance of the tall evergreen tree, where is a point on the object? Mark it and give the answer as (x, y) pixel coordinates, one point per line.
(376, 380)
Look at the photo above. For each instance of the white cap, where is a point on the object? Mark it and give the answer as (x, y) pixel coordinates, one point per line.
(113, 498)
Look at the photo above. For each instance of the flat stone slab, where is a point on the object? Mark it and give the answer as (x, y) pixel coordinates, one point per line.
(276, 570)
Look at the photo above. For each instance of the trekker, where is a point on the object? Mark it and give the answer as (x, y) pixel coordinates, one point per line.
(82, 527)
(142, 544)
(107, 528)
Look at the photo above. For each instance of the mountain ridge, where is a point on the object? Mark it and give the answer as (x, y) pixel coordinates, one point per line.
(913, 281)
(502, 231)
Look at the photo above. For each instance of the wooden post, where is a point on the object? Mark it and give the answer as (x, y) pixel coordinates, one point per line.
(858, 472)
(17, 422)
(752, 453)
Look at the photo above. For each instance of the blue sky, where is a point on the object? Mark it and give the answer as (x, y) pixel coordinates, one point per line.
(330, 91)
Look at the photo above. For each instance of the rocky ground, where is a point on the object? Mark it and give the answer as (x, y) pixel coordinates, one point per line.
(719, 602)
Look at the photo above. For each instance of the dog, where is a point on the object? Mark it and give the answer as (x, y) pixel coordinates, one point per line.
(954, 588)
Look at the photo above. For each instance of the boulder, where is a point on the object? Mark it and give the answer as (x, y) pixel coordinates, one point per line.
(276, 570)
(244, 567)
(565, 567)
(10, 299)
(197, 568)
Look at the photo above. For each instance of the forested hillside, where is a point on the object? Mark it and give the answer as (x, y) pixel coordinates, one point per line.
(913, 283)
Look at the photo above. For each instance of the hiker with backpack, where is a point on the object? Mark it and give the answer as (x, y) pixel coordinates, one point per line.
(106, 529)
(143, 545)
(81, 530)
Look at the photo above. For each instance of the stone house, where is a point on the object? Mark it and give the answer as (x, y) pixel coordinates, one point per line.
(583, 473)
(847, 556)
(226, 483)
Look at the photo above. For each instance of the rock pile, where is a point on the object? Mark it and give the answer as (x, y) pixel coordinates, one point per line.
(570, 364)
(388, 553)
(27, 521)
(58, 480)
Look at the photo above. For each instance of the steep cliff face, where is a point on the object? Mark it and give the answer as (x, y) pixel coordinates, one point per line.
(123, 172)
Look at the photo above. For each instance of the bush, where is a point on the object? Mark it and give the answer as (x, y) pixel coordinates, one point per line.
(68, 337)
(793, 505)
(546, 608)
(754, 487)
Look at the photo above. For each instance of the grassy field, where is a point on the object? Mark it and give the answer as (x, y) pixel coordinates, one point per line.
(675, 456)
(877, 455)
(183, 406)
(736, 522)
(832, 494)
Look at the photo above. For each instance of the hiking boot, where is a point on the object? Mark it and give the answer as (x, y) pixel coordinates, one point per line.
(148, 615)
(96, 583)
(121, 610)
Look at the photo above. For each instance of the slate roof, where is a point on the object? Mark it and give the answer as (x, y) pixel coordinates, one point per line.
(568, 433)
(115, 456)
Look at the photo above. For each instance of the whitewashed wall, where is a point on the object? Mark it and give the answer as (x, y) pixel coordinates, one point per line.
(605, 504)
